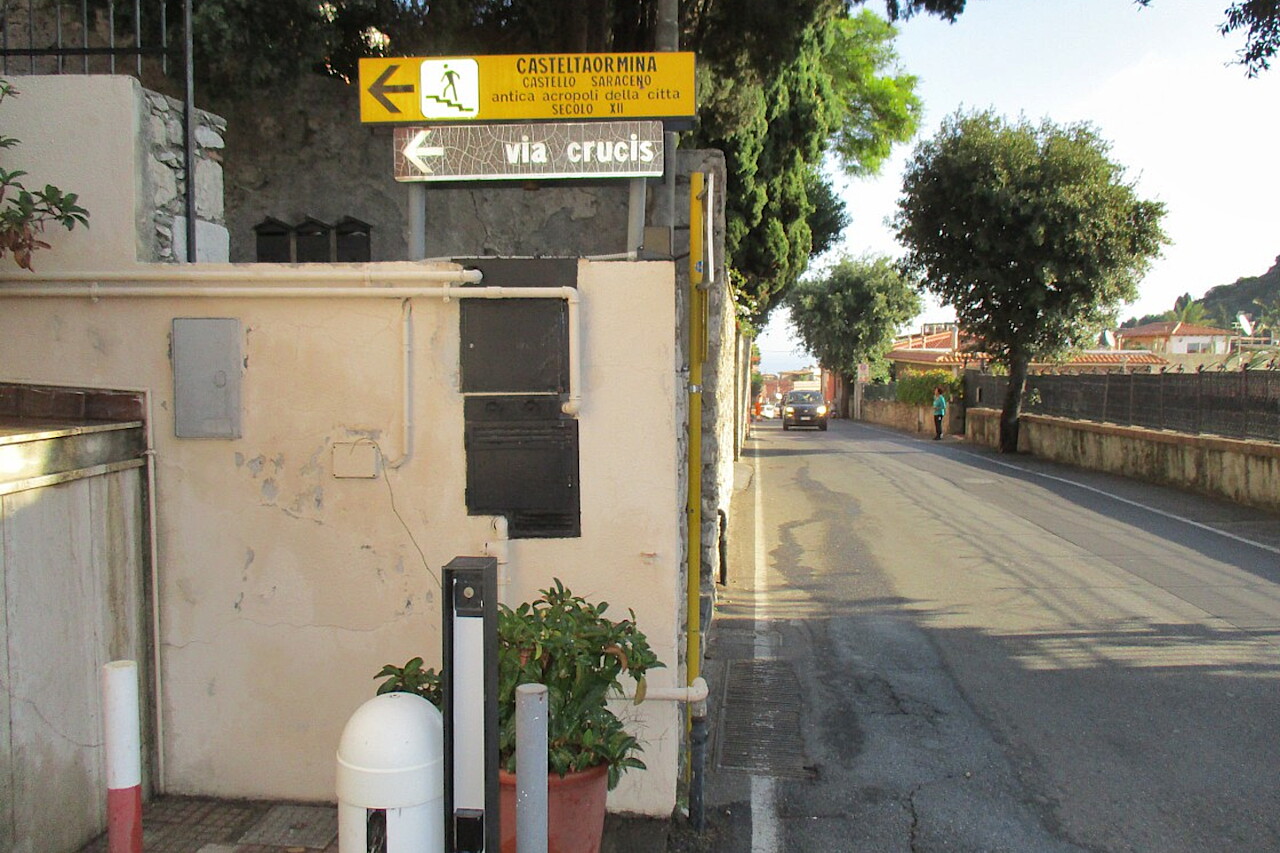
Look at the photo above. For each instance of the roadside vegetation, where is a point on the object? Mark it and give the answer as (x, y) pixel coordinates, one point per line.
(849, 314)
(1030, 232)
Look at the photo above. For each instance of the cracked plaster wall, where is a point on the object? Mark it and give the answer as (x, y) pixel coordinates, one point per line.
(284, 589)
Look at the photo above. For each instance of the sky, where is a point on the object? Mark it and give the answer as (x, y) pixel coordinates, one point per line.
(1159, 83)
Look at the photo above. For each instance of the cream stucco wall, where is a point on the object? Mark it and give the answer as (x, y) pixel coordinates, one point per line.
(82, 134)
(283, 589)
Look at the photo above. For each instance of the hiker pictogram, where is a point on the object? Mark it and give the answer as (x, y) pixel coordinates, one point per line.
(450, 88)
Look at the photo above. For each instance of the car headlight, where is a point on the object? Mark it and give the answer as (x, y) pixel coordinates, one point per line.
(790, 410)
(822, 410)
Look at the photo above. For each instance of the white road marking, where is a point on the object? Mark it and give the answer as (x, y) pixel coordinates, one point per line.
(764, 817)
(1174, 516)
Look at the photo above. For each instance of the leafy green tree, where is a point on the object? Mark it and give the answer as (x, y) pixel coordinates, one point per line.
(777, 114)
(916, 386)
(1029, 232)
(851, 313)
(877, 105)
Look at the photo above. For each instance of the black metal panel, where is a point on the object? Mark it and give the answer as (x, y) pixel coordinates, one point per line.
(522, 462)
(514, 346)
(525, 272)
(517, 346)
(522, 465)
(522, 452)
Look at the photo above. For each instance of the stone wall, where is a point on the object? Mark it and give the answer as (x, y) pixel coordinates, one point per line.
(164, 140)
(720, 399)
(304, 153)
(1247, 472)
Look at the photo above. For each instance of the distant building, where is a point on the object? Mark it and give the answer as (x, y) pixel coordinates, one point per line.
(944, 346)
(1177, 338)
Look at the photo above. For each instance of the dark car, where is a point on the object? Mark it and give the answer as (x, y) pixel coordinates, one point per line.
(804, 408)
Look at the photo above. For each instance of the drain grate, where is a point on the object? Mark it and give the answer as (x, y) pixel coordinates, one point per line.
(295, 826)
(759, 729)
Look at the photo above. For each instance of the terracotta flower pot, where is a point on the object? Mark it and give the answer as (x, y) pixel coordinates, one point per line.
(575, 810)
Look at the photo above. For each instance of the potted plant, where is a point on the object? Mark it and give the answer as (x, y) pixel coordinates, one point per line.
(580, 654)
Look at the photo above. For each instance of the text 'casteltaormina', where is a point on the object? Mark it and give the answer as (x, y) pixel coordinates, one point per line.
(589, 63)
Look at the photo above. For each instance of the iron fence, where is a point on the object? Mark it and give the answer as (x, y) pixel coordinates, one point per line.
(1236, 404)
(151, 39)
(876, 391)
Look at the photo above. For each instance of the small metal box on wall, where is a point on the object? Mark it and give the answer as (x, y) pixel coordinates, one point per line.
(522, 451)
(207, 369)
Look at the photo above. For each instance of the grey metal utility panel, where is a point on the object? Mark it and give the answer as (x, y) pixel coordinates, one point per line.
(207, 369)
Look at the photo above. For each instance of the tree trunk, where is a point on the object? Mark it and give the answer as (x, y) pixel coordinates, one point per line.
(1013, 404)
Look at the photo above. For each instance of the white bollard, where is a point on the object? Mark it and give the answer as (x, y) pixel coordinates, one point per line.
(122, 730)
(391, 759)
(531, 768)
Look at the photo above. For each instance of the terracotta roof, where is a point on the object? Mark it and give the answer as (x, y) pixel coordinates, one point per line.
(1119, 357)
(1171, 328)
(1092, 358)
(931, 356)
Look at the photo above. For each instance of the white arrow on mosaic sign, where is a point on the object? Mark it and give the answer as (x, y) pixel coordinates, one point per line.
(418, 150)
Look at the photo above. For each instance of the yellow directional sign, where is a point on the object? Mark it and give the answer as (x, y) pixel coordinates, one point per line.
(538, 87)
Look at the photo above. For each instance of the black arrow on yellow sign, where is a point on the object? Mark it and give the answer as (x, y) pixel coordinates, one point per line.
(379, 89)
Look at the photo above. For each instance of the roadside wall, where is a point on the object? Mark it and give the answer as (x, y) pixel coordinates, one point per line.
(1247, 472)
(721, 399)
(284, 588)
(907, 417)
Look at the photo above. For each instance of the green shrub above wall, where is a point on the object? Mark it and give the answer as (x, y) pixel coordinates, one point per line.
(917, 388)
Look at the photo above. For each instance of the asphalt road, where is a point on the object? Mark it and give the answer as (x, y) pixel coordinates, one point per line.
(924, 646)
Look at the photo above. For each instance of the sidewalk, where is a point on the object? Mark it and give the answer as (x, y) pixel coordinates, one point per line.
(203, 825)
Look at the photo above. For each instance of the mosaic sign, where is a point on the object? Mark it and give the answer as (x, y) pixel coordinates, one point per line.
(495, 152)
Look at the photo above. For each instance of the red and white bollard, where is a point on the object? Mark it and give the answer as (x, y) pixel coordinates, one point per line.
(123, 729)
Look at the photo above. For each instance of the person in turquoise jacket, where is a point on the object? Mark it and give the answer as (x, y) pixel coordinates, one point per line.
(939, 412)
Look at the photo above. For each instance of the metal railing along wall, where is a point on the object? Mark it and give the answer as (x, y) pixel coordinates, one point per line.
(136, 37)
(1241, 404)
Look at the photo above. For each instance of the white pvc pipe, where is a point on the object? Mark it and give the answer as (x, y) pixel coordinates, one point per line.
(531, 768)
(248, 272)
(122, 729)
(153, 554)
(695, 692)
(406, 385)
(499, 547)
